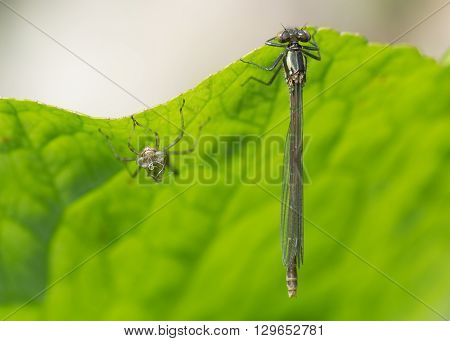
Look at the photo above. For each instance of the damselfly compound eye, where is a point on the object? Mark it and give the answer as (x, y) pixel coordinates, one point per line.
(284, 36)
(303, 36)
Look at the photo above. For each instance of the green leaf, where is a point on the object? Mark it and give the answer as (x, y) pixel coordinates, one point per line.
(74, 244)
(446, 57)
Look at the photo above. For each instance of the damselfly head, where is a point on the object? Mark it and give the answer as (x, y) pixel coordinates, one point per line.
(293, 35)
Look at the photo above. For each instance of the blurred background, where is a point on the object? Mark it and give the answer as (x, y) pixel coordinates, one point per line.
(158, 49)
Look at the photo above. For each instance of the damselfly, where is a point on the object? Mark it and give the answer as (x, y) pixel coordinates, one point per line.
(297, 45)
(154, 159)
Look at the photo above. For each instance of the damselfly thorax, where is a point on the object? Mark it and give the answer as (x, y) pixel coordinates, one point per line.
(294, 66)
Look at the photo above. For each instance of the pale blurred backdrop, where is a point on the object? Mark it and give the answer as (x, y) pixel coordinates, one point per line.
(157, 49)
